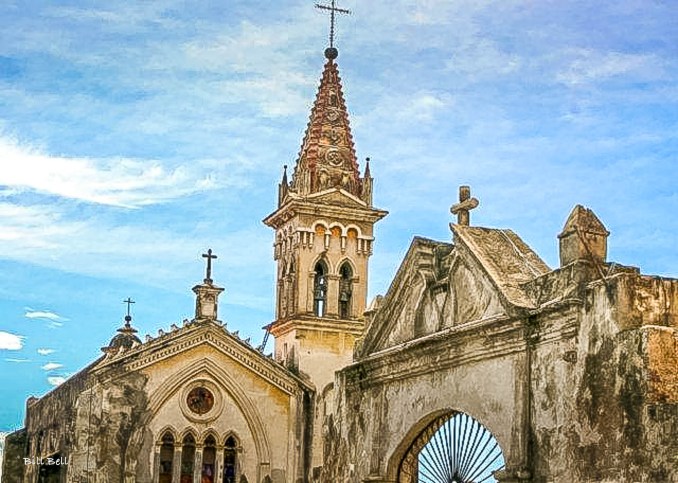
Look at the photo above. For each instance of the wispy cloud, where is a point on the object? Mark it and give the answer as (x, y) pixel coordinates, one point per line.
(11, 342)
(118, 182)
(50, 366)
(46, 352)
(18, 361)
(44, 314)
(588, 66)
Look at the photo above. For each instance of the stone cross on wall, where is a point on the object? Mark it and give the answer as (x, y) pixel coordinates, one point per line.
(465, 205)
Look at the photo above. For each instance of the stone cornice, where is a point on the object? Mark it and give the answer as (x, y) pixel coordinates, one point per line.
(457, 346)
(297, 207)
(194, 335)
(282, 327)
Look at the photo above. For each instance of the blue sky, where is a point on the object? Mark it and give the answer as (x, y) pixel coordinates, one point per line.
(134, 135)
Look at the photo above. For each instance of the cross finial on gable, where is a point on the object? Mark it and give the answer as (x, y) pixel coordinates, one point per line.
(209, 257)
(465, 205)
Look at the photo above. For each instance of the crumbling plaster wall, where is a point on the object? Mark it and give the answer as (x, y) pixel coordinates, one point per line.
(604, 405)
(13, 462)
(388, 399)
(603, 384)
(99, 424)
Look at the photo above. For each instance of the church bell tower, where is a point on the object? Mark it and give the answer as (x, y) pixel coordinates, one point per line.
(323, 240)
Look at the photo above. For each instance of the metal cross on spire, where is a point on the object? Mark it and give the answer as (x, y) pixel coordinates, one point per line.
(333, 9)
(209, 257)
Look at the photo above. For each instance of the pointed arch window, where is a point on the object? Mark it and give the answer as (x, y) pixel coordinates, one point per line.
(209, 458)
(187, 459)
(166, 459)
(230, 459)
(320, 289)
(345, 290)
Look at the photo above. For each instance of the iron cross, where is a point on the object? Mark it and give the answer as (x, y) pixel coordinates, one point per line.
(333, 10)
(209, 257)
(465, 205)
(129, 303)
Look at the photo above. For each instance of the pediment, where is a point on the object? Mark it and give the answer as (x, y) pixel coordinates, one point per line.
(194, 335)
(339, 197)
(440, 285)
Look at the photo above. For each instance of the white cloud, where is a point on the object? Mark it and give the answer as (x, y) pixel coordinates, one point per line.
(11, 342)
(46, 352)
(16, 360)
(117, 182)
(50, 366)
(590, 66)
(56, 380)
(44, 314)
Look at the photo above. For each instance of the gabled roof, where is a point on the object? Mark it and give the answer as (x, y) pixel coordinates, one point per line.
(194, 333)
(420, 256)
(506, 259)
(501, 256)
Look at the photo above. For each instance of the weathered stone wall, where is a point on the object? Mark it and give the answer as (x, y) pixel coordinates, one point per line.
(386, 401)
(92, 425)
(110, 433)
(604, 403)
(584, 388)
(51, 421)
(13, 457)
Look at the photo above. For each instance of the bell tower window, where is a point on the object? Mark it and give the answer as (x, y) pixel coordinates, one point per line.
(345, 290)
(320, 289)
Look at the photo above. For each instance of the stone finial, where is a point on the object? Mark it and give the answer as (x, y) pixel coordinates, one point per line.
(584, 237)
(464, 207)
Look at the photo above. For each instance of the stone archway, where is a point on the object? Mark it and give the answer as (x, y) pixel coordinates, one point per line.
(452, 447)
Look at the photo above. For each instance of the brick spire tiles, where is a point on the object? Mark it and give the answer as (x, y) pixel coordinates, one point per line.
(327, 158)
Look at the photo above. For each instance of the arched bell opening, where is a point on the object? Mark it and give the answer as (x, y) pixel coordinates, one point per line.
(320, 289)
(345, 290)
(453, 448)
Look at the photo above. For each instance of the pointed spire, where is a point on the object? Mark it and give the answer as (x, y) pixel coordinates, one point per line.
(283, 187)
(367, 168)
(327, 157)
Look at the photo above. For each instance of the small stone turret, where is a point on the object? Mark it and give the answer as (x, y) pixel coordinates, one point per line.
(207, 293)
(125, 339)
(584, 237)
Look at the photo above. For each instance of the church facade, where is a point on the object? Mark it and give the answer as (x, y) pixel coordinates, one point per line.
(479, 364)
(196, 403)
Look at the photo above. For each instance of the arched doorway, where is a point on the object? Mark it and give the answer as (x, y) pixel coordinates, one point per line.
(453, 448)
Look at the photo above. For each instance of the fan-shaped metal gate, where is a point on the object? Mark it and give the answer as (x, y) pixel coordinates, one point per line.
(454, 448)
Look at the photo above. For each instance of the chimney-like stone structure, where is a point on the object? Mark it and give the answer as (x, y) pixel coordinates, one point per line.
(584, 237)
